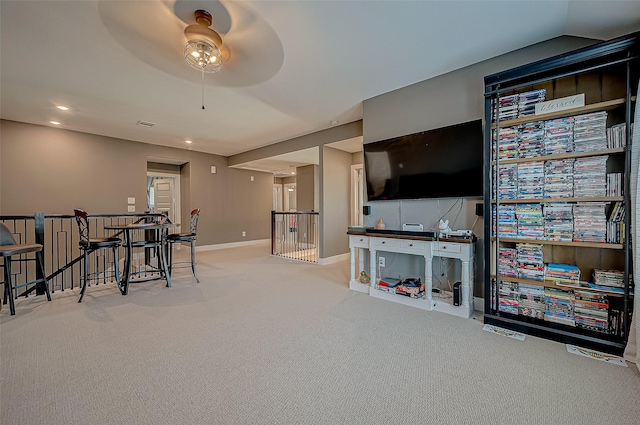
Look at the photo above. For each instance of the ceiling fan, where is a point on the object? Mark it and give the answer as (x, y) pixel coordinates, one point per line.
(251, 53)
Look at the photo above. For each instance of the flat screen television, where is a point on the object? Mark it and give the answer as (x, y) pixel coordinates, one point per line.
(441, 163)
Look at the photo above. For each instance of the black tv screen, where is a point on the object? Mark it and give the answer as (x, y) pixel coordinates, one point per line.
(441, 163)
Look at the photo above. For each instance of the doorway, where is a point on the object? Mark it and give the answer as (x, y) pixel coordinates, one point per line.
(163, 194)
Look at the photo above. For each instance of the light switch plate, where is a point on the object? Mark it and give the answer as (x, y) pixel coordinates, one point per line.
(131, 201)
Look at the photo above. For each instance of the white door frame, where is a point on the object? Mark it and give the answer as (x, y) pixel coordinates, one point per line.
(357, 195)
(176, 187)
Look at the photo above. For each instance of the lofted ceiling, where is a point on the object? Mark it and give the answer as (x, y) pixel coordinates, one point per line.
(293, 67)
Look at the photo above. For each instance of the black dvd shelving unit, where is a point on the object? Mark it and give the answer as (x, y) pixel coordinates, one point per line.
(538, 189)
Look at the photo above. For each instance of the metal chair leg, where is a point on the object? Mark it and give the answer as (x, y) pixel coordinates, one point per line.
(86, 276)
(46, 282)
(170, 245)
(193, 260)
(9, 287)
(116, 266)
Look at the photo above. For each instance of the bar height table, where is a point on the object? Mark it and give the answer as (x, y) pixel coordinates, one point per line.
(159, 242)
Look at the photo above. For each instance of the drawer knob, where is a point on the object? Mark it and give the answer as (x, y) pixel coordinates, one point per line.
(444, 247)
(361, 240)
(384, 242)
(410, 244)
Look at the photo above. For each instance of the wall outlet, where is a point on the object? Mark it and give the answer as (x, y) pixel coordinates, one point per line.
(252, 178)
(213, 169)
(131, 208)
(244, 234)
(131, 201)
(381, 261)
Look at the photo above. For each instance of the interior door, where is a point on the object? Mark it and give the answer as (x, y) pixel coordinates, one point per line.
(277, 197)
(163, 196)
(290, 197)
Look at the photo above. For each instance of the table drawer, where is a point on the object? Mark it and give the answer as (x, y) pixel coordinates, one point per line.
(379, 243)
(359, 241)
(447, 247)
(418, 246)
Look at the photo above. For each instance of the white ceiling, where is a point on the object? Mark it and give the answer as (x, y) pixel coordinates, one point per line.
(293, 66)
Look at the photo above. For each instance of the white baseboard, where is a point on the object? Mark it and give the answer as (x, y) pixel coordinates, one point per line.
(233, 245)
(334, 259)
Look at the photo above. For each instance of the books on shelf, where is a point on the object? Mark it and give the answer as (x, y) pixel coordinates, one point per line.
(589, 222)
(558, 136)
(531, 179)
(617, 136)
(559, 306)
(590, 131)
(590, 176)
(558, 178)
(615, 223)
(614, 184)
(558, 222)
(562, 273)
(530, 261)
(532, 301)
(613, 278)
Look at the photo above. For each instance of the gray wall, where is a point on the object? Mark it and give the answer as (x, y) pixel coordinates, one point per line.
(54, 171)
(334, 219)
(305, 188)
(445, 100)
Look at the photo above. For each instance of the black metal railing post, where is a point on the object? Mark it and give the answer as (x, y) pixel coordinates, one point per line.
(39, 239)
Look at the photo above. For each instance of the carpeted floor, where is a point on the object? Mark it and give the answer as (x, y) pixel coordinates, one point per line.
(264, 340)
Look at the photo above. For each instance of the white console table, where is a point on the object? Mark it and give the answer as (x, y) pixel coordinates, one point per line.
(426, 247)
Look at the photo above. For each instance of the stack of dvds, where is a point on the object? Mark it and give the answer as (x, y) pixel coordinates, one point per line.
(558, 178)
(530, 261)
(558, 222)
(608, 278)
(508, 297)
(589, 222)
(527, 101)
(507, 142)
(591, 311)
(508, 178)
(590, 132)
(559, 306)
(530, 221)
(590, 176)
(566, 273)
(531, 179)
(614, 184)
(532, 301)
(507, 107)
(617, 136)
(507, 222)
(507, 262)
(531, 140)
(558, 136)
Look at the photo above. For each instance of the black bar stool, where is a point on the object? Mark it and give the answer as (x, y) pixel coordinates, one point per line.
(9, 248)
(189, 237)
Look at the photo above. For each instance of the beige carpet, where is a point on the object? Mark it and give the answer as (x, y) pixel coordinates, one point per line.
(263, 340)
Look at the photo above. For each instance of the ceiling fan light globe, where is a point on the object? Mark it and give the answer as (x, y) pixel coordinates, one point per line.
(198, 54)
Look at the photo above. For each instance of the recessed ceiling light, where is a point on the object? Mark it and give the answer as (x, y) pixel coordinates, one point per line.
(334, 122)
(188, 141)
(293, 173)
(62, 107)
(54, 122)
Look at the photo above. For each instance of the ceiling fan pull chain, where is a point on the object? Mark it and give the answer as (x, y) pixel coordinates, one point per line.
(203, 90)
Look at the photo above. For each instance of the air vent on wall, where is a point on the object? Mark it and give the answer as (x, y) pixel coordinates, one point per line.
(145, 124)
